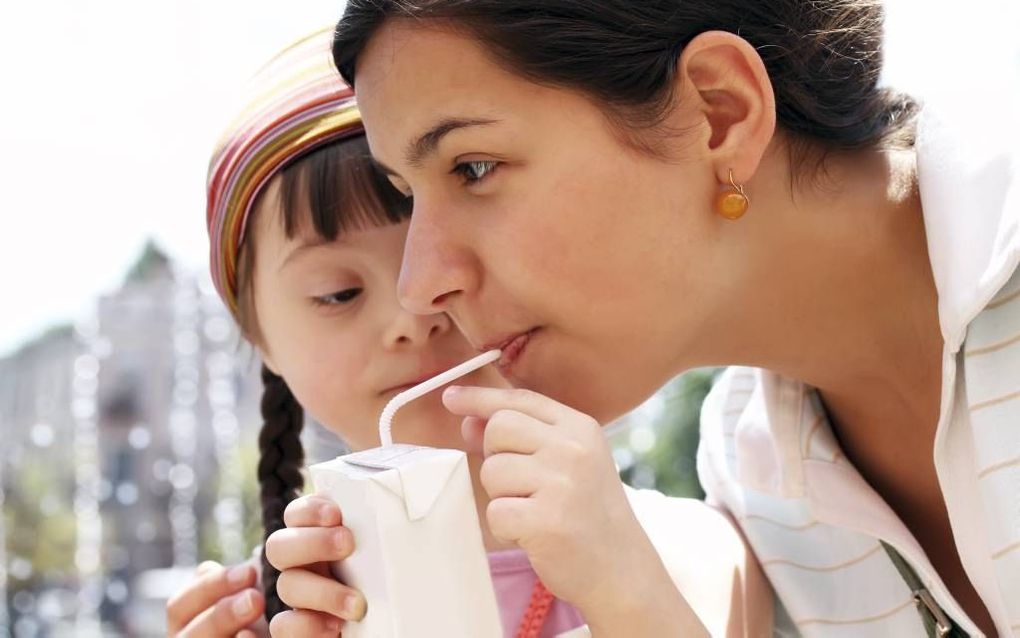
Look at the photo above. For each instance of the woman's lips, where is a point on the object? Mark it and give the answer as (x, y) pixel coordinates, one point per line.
(512, 350)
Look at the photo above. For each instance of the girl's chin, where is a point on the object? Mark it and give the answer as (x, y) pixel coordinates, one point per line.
(422, 442)
(430, 428)
(434, 441)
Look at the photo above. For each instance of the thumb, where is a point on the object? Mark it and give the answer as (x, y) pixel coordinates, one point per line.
(207, 566)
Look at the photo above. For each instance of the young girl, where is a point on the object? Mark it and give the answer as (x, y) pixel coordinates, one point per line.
(306, 247)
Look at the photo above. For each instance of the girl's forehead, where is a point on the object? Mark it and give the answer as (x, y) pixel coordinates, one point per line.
(330, 193)
(308, 247)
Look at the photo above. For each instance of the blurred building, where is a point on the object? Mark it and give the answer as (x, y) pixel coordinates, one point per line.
(36, 475)
(125, 451)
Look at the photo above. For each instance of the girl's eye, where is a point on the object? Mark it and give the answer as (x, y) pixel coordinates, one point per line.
(474, 172)
(401, 187)
(337, 298)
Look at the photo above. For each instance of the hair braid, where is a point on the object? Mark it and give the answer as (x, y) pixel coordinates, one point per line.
(279, 470)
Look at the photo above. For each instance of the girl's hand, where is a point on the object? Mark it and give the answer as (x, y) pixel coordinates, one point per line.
(313, 538)
(556, 493)
(219, 601)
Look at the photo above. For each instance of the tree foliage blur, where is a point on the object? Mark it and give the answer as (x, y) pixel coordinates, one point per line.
(669, 464)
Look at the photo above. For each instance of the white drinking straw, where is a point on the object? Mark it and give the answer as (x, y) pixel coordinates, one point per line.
(397, 402)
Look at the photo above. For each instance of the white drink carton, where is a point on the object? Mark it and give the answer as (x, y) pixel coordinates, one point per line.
(419, 558)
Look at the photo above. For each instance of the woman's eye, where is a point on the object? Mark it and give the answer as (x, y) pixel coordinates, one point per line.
(474, 172)
(338, 298)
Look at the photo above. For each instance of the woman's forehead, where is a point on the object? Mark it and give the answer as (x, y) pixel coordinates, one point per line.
(428, 75)
(428, 83)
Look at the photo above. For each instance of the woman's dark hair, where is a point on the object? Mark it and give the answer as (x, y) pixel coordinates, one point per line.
(824, 57)
(333, 189)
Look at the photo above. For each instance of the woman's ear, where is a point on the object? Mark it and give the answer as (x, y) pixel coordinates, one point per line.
(722, 77)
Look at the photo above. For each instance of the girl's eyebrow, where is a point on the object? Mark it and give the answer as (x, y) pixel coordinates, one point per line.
(307, 245)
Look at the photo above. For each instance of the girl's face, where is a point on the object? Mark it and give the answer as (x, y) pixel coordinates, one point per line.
(331, 325)
(536, 226)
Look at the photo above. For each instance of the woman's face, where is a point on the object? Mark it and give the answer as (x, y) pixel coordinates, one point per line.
(536, 226)
(332, 327)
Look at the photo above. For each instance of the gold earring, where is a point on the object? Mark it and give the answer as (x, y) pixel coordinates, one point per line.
(732, 204)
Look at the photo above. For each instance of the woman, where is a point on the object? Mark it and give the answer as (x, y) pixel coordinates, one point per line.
(306, 240)
(614, 192)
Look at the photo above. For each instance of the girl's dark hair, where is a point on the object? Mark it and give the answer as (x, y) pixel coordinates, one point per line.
(280, 460)
(824, 57)
(333, 189)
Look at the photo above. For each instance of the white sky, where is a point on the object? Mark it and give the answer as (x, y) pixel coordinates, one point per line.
(109, 109)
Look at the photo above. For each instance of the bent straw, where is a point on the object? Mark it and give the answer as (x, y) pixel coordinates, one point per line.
(397, 402)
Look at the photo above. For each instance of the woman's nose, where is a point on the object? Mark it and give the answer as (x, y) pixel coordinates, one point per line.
(436, 270)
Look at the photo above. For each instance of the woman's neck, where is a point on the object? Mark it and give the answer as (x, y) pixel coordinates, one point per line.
(840, 293)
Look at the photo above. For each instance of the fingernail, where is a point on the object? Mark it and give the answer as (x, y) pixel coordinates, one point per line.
(325, 514)
(340, 540)
(243, 605)
(353, 607)
(333, 625)
(237, 575)
(451, 391)
(206, 566)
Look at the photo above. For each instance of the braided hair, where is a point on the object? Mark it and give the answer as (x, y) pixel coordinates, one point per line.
(279, 470)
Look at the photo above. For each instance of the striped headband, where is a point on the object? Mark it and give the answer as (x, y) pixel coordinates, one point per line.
(296, 102)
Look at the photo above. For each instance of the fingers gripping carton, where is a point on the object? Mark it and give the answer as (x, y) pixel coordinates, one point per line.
(419, 558)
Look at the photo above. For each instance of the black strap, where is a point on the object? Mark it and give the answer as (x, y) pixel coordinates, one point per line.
(937, 623)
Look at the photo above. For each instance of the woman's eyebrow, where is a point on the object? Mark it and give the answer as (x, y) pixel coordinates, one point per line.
(427, 143)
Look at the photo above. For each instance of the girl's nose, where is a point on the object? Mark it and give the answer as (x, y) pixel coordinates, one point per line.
(411, 330)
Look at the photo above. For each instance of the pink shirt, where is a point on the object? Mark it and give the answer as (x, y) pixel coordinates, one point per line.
(514, 579)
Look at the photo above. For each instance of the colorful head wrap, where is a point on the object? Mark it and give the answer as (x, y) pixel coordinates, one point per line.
(297, 102)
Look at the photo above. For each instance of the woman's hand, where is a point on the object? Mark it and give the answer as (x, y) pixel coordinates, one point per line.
(219, 601)
(313, 538)
(556, 493)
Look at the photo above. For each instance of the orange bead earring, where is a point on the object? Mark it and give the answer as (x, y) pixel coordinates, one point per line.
(732, 204)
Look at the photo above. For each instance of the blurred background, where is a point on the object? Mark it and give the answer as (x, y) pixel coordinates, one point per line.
(128, 406)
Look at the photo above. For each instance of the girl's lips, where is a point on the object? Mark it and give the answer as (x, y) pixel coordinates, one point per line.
(397, 389)
(421, 379)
